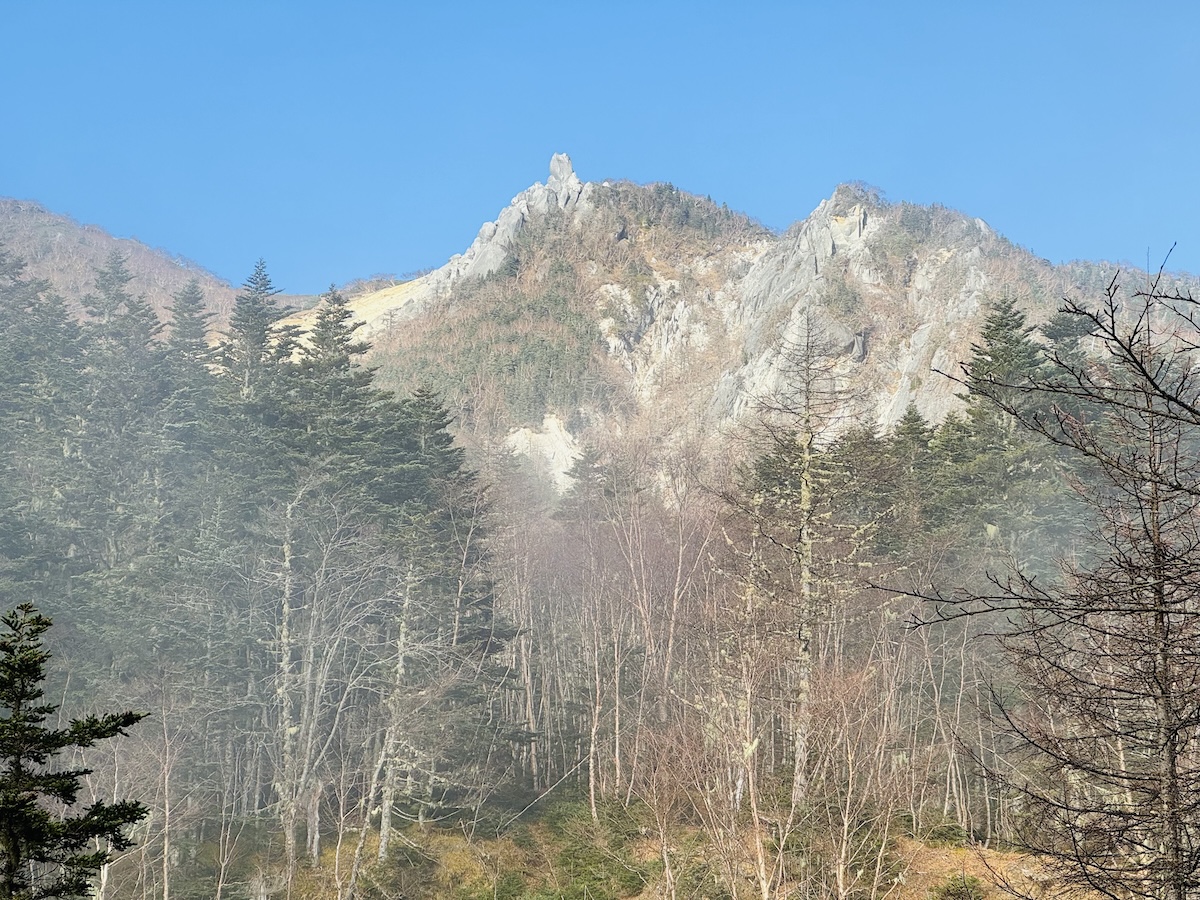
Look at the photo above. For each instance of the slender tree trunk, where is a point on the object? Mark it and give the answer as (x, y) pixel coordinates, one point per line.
(167, 849)
(368, 799)
(285, 779)
(801, 704)
(388, 753)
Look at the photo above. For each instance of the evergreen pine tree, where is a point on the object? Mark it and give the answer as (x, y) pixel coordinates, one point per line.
(254, 342)
(1005, 358)
(122, 480)
(909, 468)
(189, 324)
(45, 850)
(331, 343)
(192, 383)
(250, 430)
(1014, 479)
(188, 413)
(122, 442)
(334, 397)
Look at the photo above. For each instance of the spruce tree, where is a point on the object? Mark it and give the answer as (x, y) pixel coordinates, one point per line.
(254, 341)
(46, 850)
(121, 471)
(191, 381)
(1005, 358)
(252, 410)
(334, 399)
(1015, 480)
(121, 480)
(189, 323)
(909, 467)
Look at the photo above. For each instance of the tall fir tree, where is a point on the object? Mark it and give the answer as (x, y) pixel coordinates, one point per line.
(1016, 482)
(1004, 358)
(253, 342)
(189, 324)
(189, 411)
(120, 493)
(335, 400)
(46, 849)
(257, 367)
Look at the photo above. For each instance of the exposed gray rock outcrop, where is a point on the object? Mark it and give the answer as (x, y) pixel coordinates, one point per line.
(563, 190)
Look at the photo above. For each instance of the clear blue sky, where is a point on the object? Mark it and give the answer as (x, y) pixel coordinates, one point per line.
(344, 140)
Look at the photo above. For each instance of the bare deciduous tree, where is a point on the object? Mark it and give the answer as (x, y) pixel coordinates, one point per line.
(1103, 767)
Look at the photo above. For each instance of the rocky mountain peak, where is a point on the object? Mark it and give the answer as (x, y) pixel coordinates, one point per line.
(564, 184)
(487, 254)
(562, 190)
(596, 307)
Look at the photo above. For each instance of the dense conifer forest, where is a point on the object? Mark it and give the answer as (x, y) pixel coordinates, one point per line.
(373, 667)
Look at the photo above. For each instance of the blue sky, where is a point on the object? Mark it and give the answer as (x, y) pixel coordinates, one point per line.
(343, 141)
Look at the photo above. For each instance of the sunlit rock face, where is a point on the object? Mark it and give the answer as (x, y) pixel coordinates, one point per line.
(831, 275)
(889, 311)
(551, 449)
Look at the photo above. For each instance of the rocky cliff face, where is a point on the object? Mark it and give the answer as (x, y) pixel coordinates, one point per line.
(697, 317)
(889, 331)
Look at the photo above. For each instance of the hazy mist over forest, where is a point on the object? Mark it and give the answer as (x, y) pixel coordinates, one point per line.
(708, 522)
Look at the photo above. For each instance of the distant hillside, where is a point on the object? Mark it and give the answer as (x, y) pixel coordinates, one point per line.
(67, 254)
